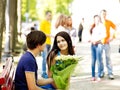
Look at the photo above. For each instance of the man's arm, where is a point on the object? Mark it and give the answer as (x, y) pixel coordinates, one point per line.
(113, 35)
(43, 81)
(30, 78)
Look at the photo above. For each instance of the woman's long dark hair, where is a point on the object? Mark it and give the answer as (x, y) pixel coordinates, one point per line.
(55, 49)
(91, 28)
(93, 25)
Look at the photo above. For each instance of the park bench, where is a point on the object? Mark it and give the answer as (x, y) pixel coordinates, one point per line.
(7, 75)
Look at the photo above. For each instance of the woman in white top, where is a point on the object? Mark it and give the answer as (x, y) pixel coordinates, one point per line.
(71, 30)
(97, 32)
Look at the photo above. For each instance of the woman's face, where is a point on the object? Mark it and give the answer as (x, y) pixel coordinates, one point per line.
(69, 21)
(62, 43)
(97, 20)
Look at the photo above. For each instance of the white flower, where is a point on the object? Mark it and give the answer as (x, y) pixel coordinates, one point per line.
(67, 57)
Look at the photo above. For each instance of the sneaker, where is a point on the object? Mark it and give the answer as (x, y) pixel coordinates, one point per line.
(111, 77)
(93, 79)
(98, 79)
(102, 75)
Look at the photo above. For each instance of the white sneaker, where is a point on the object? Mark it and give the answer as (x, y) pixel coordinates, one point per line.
(111, 77)
(98, 79)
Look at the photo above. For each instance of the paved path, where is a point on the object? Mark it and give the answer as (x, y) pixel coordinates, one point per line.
(81, 79)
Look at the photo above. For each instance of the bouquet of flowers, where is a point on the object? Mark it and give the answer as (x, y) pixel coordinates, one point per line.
(65, 65)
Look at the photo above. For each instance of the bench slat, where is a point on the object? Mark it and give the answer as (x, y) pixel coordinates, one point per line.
(7, 75)
(9, 82)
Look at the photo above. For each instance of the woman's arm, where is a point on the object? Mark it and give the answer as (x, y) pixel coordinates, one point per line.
(50, 73)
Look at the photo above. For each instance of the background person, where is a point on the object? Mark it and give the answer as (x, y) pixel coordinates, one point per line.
(80, 30)
(71, 31)
(60, 24)
(45, 26)
(106, 43)
(97, 32)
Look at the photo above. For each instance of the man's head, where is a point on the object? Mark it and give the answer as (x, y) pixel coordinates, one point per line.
(103, 14)
(48, 15)
(35, 38)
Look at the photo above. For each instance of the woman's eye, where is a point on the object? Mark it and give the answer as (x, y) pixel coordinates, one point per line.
(63, 40)
(58, 41)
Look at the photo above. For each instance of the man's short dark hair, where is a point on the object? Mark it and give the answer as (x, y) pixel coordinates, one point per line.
(35, 38)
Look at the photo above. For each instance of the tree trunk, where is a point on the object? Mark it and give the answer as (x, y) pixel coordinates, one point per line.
(2, 23)
(19, 16)
(13, 24)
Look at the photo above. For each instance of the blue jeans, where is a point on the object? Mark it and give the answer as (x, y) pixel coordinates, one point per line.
(106, 47)
(48, 87)
(96, 55)
(44, 56)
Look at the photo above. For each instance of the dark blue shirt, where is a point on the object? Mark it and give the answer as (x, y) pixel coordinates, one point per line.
(27, 63)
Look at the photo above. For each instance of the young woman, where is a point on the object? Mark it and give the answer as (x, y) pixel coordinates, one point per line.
(26, 77)
(62, 46)
(97, 32)
(71, 30)
(60, 24)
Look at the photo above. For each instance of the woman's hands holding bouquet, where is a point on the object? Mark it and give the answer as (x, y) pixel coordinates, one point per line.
(65, 65)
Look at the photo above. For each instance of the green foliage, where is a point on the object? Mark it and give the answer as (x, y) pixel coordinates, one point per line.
(29, 6)
(62, 6)
(37, 8)
(43, 5)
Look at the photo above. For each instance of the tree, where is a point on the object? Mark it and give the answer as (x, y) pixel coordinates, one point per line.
(29, 8)
(62, 6)
(2, 22)
(19, 17)
(11, 32)
(35, 8)
(13, 23)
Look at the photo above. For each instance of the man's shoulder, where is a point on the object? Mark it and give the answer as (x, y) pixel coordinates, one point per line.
(44, 21)
(109, 21)
(26, 57)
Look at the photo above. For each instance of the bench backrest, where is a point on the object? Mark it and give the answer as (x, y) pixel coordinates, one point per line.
(7, 75)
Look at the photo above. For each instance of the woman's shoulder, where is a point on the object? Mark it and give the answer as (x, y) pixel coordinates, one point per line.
(73, 28)
(61, 28)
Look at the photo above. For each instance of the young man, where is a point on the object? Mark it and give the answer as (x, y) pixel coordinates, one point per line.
(106, 43)
(26, 77)
(45, 26)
